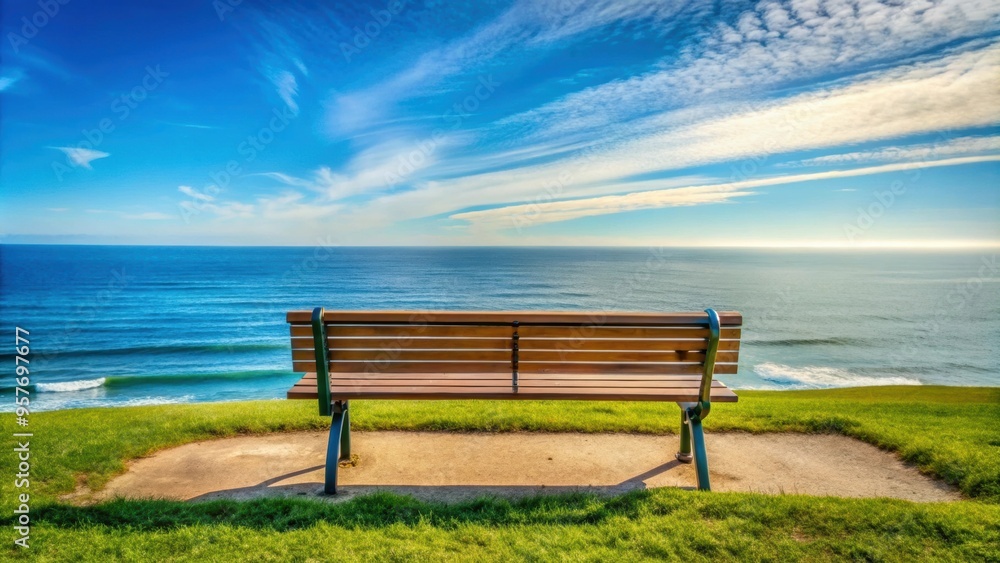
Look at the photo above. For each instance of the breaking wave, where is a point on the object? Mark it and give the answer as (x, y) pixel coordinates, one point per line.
(819, 377)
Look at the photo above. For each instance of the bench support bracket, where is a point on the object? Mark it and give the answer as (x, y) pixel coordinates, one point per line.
(696, 446)
(692, 448)
(338, 447)
(684, 453)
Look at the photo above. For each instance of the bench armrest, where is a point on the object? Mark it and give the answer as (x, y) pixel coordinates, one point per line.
(322, 362)
(705, 392)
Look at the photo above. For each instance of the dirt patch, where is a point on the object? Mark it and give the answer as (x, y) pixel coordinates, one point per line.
(451, 467)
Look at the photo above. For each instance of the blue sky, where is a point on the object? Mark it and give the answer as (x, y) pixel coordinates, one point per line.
(798, 123)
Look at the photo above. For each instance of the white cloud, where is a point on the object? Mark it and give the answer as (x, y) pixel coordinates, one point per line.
(292, 206)
(375, 169)
(10, 78)
(526, 215)
(288, 208)
(221, 210)
(776, 43)
(525, 25)
(942, 95)
(287, 90)
(202, 202)
(923, 151)
(82, 157)
(195, 194)
(285, 85)
(190, 125)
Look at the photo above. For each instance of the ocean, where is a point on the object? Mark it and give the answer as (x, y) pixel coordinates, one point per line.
(129, 325)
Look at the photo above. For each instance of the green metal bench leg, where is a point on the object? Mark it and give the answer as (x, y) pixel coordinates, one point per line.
(684, 453)
(345, 436)
(333, 448)
(700, 455)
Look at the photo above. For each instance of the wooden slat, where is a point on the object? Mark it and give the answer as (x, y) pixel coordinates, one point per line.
(563, 384)
(525, 356)
(678, 380)
(662, 369)
(405, 355)
(303, 343)
(421, 355)
(420, 344)
(419, 331)
(589, 332)
(523, 393)
(529, 355)
(728, 318)
(563, 332)
(407, 367)
(504, 367)
(639, 345)
(506, 376)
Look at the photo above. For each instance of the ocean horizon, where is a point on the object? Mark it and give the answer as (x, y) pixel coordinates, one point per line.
(139, 325)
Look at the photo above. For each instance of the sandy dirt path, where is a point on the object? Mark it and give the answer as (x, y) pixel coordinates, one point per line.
(451, 467)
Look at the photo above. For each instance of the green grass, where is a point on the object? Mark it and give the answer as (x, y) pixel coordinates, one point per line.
(651, 525)
(953, 433)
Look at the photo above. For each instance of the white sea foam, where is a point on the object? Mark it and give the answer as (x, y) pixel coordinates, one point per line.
(147, 401)
(819, 377)
(65, 386)
(62, 402)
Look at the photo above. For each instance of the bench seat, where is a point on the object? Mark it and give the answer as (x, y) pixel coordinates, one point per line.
(519, 355)
(536, 386)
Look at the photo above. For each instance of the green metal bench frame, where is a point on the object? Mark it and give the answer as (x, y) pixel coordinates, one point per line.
(692, 437)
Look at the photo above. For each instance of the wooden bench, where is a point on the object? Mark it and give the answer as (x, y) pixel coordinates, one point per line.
(669, 357)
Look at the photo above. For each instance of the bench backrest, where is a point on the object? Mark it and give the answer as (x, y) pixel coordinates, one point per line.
(384, 342)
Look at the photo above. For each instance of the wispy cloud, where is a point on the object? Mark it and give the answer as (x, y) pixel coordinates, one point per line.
(201, 202)
(935, 96)
(375, 169)
(9, 78)
(194, 193)
(190, 125)
(774, 45)
(82, 157)
(286, 86)
(286, 207)
(947, 147)
(526, 215)
(525, 26)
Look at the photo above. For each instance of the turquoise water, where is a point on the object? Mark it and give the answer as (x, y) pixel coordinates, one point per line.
(149, 325)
